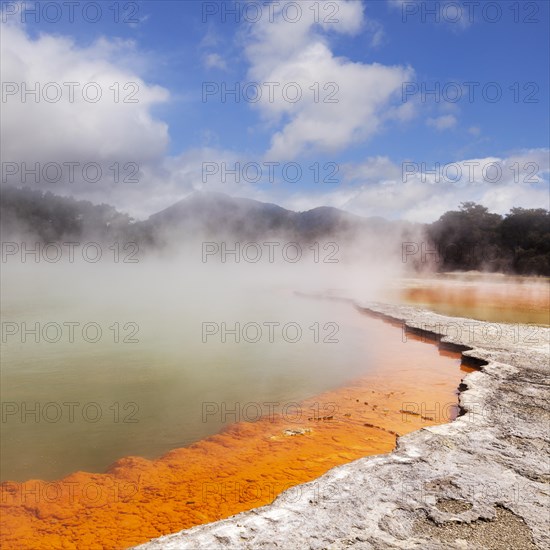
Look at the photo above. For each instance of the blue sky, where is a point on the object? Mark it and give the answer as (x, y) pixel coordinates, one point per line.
(375, 48)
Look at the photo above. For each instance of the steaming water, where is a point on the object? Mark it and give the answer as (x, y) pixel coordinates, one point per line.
(487, 297)
(97, 402)
(82, 405)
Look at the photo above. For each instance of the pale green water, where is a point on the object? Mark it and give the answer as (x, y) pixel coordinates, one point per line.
(151, 394)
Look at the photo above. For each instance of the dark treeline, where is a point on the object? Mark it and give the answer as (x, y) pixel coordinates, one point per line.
(470, 238)
(52, 218)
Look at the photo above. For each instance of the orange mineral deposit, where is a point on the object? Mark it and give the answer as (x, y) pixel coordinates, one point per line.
(413, 385)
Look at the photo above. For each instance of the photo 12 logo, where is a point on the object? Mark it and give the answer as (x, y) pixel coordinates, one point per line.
(53, 412)
(72, 172)
(324, 12)
(69, 92)
(470, 91)
(271, 252)
(429, 492)
(466, 12)
(269, 411)
(88, 493)
(260, 492)
(52, 332)
(270, 92)
(39, 11)
(54, 252)
(269, 332)
(269, 172)
(472, 171)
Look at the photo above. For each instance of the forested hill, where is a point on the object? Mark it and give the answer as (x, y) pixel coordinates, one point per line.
(470, 238)
(51, 218)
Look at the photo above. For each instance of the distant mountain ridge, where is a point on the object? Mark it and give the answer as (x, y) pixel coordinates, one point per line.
(51, 217)
(214, 214)
(470, 238)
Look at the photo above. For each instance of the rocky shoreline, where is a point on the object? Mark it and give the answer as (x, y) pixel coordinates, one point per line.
(482, 481)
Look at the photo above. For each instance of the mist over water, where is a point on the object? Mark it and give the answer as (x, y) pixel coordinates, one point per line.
(133, 350)
(484, 296)
(80, 405)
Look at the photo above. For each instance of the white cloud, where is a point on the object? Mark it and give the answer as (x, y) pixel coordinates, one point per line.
(443, 122)
(352, 101)
(106, 132)
(80, 128)
(215, 61)
(376, 31)
(103, 132)
(65, 124)
(379, 187)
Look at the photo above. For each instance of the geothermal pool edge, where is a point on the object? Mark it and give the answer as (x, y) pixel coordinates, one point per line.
(482, 481)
